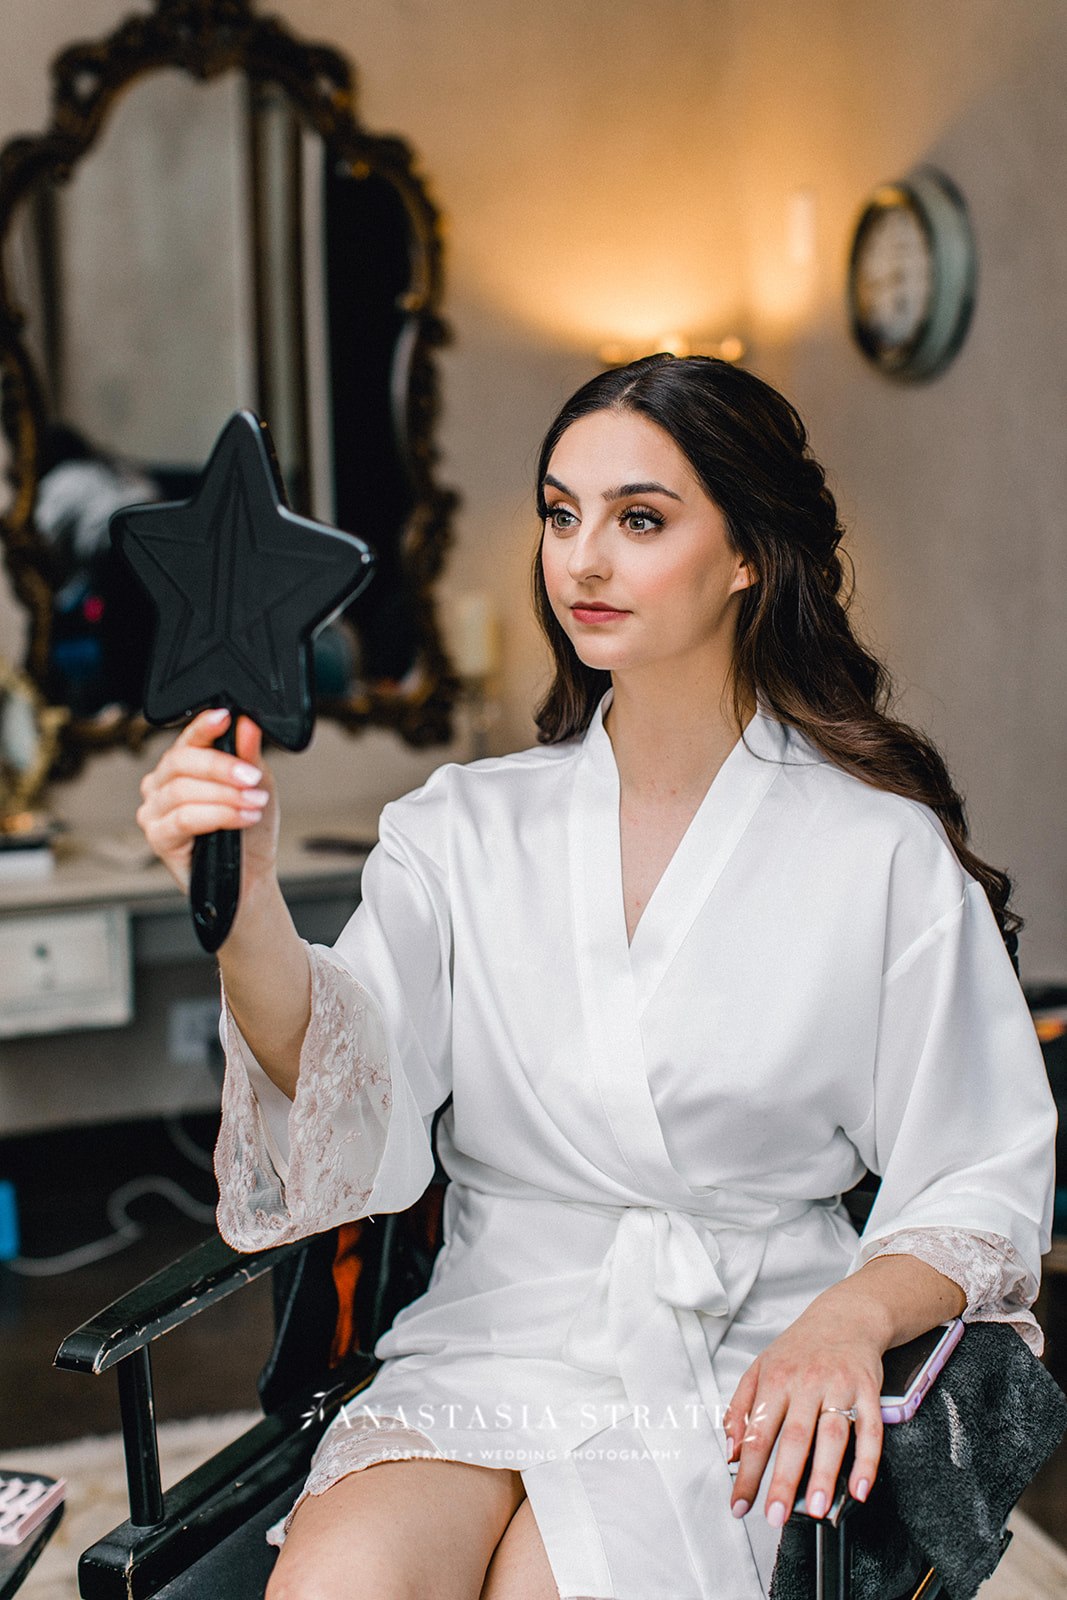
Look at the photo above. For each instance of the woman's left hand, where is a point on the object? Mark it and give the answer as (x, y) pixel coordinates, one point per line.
(830, 1356)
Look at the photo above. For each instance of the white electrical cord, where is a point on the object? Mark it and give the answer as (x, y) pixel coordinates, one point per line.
(126, 1231)
(193, 1152)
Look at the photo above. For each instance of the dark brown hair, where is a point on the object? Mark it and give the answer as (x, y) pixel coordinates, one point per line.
(795, 649)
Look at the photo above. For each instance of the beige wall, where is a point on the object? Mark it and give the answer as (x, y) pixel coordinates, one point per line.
(956, 491)
(580, 153)
(567, 158)
(626, 169)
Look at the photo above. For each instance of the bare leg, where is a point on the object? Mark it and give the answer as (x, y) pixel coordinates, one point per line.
(519, 1569)
(398, 1530)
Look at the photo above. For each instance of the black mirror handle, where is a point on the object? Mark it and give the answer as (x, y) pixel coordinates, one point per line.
(215, 880)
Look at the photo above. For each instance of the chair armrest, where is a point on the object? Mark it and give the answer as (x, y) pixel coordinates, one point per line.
(841, 1502)
(218, 1497)
(164, 1301)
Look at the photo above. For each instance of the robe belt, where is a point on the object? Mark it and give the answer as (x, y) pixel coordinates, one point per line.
(663, 1299)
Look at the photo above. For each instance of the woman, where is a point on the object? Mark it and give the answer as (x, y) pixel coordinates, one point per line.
(686, 968)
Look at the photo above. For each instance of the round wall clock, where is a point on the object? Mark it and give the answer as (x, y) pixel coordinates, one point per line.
(911, 276)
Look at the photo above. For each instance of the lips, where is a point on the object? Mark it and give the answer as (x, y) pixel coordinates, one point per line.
(596, 616)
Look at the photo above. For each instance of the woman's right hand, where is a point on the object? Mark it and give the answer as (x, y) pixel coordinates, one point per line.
(196, 789)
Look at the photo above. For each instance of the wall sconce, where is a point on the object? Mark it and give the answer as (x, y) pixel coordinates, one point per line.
(619, 352)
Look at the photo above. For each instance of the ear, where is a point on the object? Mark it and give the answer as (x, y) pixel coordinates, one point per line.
(744, 578)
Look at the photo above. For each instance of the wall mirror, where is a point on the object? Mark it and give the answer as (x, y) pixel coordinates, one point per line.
(206, 225)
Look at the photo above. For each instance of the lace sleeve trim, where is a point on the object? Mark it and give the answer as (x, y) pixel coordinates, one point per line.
(337, 1122)
(987, 1267)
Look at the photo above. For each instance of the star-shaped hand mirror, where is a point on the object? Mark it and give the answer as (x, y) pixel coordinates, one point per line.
(240, 585)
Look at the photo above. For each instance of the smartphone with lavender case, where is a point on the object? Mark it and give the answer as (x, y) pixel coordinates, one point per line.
(909, 1369)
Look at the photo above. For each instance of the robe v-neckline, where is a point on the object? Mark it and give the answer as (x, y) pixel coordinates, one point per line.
(618, 978)
(671, 868)
(713, 833)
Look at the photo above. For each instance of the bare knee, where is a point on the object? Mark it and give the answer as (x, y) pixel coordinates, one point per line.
(333, 1562)
(520, 1567)
(301, 1579)
(308, 1576)
(396, 1531)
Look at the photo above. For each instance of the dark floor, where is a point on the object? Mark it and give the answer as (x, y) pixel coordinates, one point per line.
(63, 1181)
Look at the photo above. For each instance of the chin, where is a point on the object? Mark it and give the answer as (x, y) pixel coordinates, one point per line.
(593, 652)
(601, 660)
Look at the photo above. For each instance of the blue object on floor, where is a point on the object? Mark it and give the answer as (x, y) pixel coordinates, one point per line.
(9, 1221)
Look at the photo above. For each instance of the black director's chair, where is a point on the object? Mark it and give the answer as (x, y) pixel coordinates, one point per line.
(334, 1295)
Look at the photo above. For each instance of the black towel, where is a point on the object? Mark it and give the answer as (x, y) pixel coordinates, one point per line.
(948, 1477)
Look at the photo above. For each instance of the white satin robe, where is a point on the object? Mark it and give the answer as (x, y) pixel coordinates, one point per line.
(646, 1144)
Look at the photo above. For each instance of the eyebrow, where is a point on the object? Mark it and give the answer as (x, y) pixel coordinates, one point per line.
(621, 493)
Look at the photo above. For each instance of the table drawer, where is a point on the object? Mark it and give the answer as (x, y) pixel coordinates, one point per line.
(65, 970)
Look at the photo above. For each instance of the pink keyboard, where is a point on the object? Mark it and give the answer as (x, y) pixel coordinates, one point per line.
(25, 1501)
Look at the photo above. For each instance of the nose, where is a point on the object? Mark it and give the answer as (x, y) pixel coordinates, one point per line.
(587, 554)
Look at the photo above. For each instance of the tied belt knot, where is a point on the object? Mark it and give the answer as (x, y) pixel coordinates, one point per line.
(662, 1300)
(685, 1257)
(664, 1260)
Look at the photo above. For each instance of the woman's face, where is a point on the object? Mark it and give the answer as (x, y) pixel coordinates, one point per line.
(636, 558)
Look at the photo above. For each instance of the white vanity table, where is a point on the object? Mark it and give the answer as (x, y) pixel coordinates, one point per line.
(94, 956)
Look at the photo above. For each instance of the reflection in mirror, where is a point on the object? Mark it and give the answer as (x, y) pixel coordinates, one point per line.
(29, 733)
(151, 320)
(147, 333)
(160, 322)
(285, 167)
(223, 244)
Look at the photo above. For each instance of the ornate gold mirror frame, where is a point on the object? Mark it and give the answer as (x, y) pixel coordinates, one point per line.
(206, 38)
(29, 739)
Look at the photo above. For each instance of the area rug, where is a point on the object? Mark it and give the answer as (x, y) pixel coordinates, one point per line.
(1035, 1567)
(96, 1501)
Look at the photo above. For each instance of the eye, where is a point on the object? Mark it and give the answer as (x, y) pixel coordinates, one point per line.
(641, 519)
(560, 518)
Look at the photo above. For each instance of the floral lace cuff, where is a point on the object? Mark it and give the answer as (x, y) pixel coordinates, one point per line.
(988, 1268)
(286, 1174)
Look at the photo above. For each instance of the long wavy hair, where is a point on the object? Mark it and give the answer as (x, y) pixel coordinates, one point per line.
(795, 649)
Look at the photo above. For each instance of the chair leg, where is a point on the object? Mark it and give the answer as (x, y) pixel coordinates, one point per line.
(833, 1563)
(833, 1560)
(137, 1408)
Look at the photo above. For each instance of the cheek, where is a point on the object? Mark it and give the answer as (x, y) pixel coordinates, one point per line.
(689, 591)
(552, 569)
(674, 583)
(658, 583)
